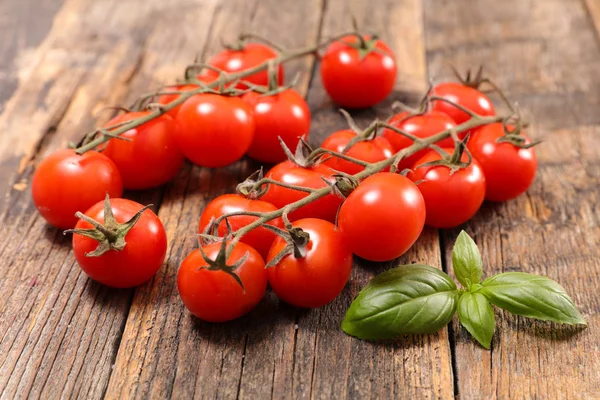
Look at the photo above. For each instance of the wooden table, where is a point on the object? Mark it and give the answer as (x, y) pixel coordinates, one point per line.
(63, 335)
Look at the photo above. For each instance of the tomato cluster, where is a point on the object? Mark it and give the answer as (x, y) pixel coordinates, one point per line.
(309, 213)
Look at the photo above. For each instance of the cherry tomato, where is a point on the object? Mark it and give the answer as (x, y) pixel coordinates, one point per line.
(382, 217)
(215, 296)
(317, 278)
(66, 182)
(214, 130)
(465, 96)
(284, 115)
(290, 173)
(152, 157)
(167, 98)
(371, 151)
(251, 55)
(450, 198)
(421, 126)
(508, 169)
(142, 256)
(355, 81)
(259, 238)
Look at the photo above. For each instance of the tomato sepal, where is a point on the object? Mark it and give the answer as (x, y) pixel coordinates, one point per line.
(297, 241)
(220, 263)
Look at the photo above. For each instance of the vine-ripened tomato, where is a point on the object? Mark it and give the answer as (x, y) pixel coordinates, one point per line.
(371, 151)
(251, 55)
(284, 115)
(382, 217)
(215, 296)
(508, 169)
(355, 81)
(466, 96)
(421, 126)
(259, 238)
(450, 198)
(167, 98)
(151, 158)
(290, 173)
(66, 182)
(142, 256)
(214, 130)
(317, 278)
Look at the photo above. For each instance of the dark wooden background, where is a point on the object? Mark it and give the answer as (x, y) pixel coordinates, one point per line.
(63, 335)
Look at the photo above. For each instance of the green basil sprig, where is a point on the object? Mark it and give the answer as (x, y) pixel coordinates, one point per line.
(414, 299)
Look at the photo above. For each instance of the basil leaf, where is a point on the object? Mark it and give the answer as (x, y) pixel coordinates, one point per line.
(532, 296)
(477, 316)
(466, 260)
(407, 299)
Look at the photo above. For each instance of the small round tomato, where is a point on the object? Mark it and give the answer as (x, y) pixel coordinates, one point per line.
(356, 81)
(151, 158)
(259, 238)
(371, 151)
(466, 96)
(450, 198)
(66, 182)
(143, 254)
(421, 126)
(251, 55)
(293, 174)
(284, 115)
(214, 130)
(317, 278)
(508, 169)
(216, 296)
(167, 98)
(382, 217)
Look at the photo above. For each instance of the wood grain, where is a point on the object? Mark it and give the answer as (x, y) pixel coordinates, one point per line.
(553, 229)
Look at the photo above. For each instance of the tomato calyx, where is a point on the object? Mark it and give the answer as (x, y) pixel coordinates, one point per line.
(111, 235)
(303, 156)
(296, 243)
(220, 262)
(454, 160)
(343, 183)
(251, 187)
(512, 135)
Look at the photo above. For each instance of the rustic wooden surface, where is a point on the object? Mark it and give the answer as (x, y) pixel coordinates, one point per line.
(63, 335)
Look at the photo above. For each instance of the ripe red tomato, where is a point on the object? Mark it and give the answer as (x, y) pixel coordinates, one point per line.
(142, 256)
(356, 82)
(450, 198)
(290, 173)
(370, 151)
(508, 169)
(259, 238)
(66, 182)
(382, 217)
(284, 115)
(421, 126)
(465, 96)
(251, 55)
(214, 131)
(152, 157)
(167, 98)
(317, 278)
(215, 296)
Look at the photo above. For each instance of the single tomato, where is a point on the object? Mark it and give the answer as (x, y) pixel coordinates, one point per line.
(466, 96)
(317, 278)
(66, 182)
(382, 217)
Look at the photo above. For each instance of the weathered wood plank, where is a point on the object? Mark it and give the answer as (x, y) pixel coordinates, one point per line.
(529, 48)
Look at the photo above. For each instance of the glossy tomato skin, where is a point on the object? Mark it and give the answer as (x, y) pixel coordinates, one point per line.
(141, 257)
(320, 276)
(355, 83)
(421, 126)
(66, 182)
(260, 238)
(370, 151)
(383, 217)
(450, 199)
(167, 98)
(151, 158)
(509, 171)
(284, 115)
(215, 296)
(288, 172)
(251, 55)
(465, 96)
(214, 130)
